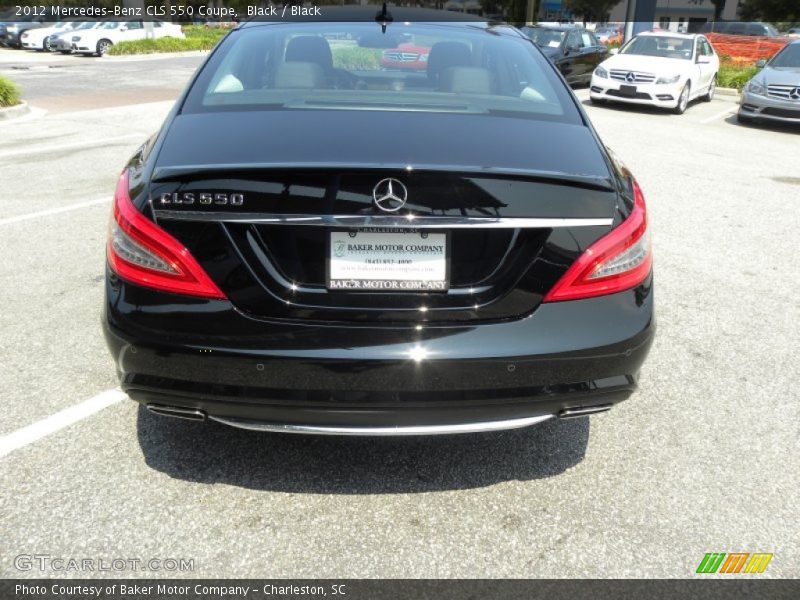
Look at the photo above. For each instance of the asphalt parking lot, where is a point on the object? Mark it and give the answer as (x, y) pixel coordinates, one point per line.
(703, 458)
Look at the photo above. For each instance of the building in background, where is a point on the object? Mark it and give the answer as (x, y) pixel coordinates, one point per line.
(677, 15)
(674, 15)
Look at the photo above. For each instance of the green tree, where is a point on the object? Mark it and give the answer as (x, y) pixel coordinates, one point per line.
(771, 10)
(591, 10)
(719, 6)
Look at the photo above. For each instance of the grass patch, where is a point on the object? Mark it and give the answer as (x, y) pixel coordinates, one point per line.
(735, 74)
(197, 38)
(9, 92)
(356, 59)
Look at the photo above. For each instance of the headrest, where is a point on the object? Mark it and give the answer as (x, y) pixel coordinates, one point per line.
(465, 80)
(311, 49)
(299, 75)
(447, 54)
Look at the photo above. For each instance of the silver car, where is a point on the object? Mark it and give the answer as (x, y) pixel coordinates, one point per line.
(62, 41)
(774, 93)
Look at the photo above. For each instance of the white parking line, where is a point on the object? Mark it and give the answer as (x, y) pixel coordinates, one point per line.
(727, 111)
(72, 146)
(52, 211)
(36, 431)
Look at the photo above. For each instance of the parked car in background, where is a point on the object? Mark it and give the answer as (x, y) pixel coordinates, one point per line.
(558, 24)
(405, 56)
(605, 35)
(667, 70)
(39, 38)
(10, 32)
(740, 28)
(575, 51)
(62, 41)
(774, 93)
(99, 39)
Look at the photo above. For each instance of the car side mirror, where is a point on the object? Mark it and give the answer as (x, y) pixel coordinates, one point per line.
(123, 28)
(761, 63)
(571, 50)
(703, 60)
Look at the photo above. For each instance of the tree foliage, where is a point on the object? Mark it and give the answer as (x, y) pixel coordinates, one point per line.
(591, 10)
(719, 6)
(771, 10)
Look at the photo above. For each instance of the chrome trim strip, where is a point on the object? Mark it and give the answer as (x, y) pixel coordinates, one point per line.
(581, 411)
(390, 221)
(204, 171)
(176, 412)
(385, 431)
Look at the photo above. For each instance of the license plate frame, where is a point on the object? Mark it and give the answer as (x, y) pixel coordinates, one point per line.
(628, 91)
(394, 281)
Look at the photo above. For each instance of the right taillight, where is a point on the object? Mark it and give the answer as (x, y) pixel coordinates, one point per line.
(618, 261)
(141, 252)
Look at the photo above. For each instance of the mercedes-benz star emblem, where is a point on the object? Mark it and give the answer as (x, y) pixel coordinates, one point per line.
(390, 195)
(630, 77)
(795, 94)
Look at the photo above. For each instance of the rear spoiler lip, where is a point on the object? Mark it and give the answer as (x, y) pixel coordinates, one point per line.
(593, 182)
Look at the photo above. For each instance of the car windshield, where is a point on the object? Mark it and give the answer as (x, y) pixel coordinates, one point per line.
(87, 25)
(110, 25)
(662, 46)
(543, 37)
(788, 57)
(354, 66)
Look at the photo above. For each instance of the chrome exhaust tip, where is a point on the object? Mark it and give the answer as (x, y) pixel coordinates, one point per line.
(191, 414)
(582, 411)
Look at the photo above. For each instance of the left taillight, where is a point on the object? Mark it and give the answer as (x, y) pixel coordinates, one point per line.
(618, 261)
(140, 252)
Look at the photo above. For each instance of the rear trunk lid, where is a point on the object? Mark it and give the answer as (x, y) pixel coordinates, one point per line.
(262, 206)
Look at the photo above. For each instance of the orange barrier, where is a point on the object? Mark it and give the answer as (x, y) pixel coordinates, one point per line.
(746, 48)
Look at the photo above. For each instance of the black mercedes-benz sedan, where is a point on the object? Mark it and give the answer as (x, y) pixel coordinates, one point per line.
(315, 243)
(575, 51)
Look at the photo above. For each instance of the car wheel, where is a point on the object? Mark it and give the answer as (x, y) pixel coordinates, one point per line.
(102, 47)
(683, 101)
(712, 87)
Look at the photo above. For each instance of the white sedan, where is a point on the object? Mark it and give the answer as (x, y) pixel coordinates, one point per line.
(99, 40)
(661, 69)
(38, 37)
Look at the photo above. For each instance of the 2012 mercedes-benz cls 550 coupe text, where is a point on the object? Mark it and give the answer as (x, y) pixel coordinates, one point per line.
(312, 243)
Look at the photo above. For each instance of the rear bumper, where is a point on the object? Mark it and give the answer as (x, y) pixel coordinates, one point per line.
(255, 374)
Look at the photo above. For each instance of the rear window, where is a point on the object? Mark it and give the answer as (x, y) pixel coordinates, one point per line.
(355, 66)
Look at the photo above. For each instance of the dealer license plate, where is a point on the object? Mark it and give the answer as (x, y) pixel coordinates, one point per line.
(388, 260)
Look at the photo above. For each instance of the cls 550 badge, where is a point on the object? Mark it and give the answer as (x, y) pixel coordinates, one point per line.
(203, 198)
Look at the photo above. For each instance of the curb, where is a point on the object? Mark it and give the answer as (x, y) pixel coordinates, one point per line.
(727, 91)
(13, 112)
